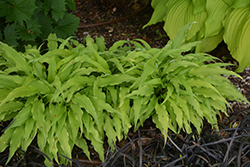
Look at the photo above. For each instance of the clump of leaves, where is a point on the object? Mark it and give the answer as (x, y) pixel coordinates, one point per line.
(226, 20)
(88, 90)
(30, 21)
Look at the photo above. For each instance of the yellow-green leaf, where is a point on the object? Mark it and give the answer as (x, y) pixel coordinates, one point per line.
(16, 57)
(63, 138)
(21, 91)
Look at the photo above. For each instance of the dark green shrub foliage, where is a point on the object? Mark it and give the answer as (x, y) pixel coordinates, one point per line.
(26, 21)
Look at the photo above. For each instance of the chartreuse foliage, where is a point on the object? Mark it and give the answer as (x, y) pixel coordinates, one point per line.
(88, 90)
(26, 21)
(216, 20)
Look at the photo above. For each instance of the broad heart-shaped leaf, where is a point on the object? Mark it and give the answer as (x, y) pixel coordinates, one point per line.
(210, 43)
(216, 12)
(18, 10)
(236, 35)
(66, 26)
(240, 3)
(181, 13)
(199, 6)
(22, 91)
(158, 14)
(240, 53)
(12, 55)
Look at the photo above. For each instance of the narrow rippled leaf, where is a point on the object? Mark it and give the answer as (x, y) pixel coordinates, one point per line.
(109, 129)
(63, 138)
(84, 102)
(15, 141)
(80, 142)
(115, 79)
(20, 92)
(16, 57)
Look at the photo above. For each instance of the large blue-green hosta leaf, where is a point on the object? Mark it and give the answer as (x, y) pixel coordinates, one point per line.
(236, 36)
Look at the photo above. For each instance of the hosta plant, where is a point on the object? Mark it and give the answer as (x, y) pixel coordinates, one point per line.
(216, 20)
(72, 94)
(31, 21)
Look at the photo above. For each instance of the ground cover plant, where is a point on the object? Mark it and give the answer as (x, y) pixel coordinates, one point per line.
(31, 21)
(226, 20)
(74, 92)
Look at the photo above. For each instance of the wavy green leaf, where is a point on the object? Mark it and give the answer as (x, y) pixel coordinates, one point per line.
(73, 125)
(22, 91)
(13, 55)
(163, 119)
(21, 117)
(5, 139)
(63, 138)
(115, 79)
(109, 129)
(84, 102)
(80, 142)
(15, 141)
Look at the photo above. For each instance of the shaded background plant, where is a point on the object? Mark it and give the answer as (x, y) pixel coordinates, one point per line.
(216, 21)
(31, 21)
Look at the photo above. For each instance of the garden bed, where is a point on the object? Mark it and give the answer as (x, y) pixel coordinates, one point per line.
(145, 147)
